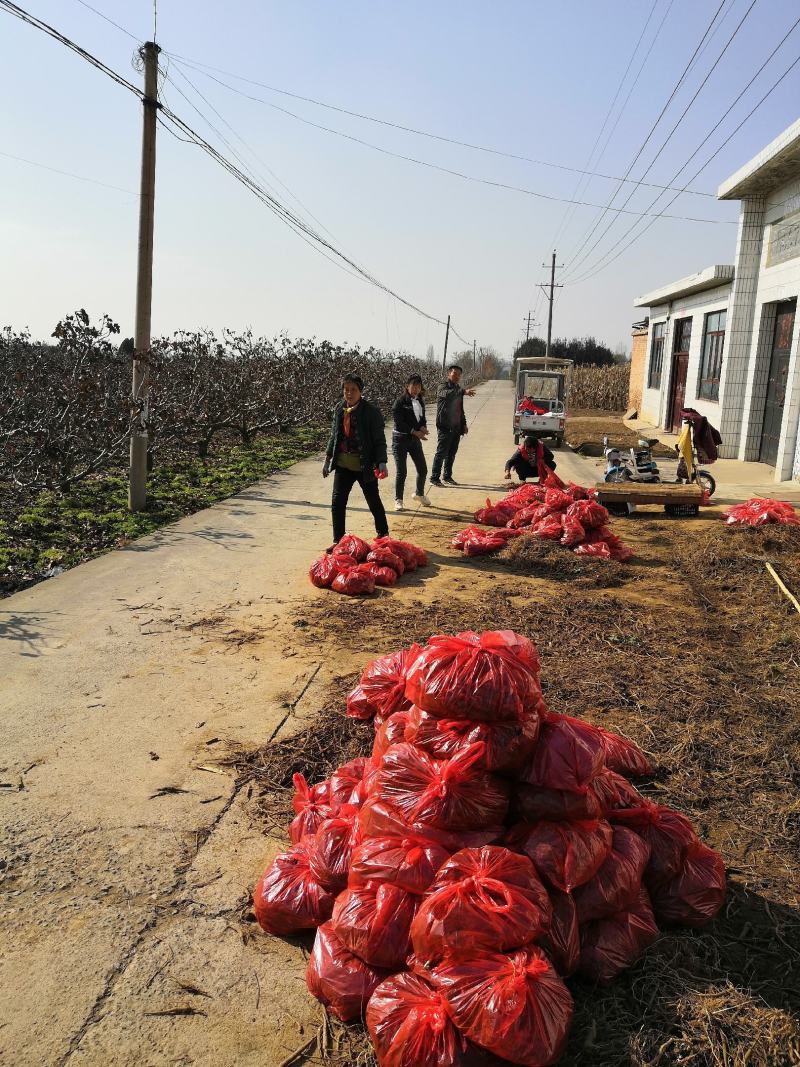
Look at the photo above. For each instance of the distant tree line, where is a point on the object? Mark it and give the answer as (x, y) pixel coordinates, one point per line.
(583, 351)
(65, 405)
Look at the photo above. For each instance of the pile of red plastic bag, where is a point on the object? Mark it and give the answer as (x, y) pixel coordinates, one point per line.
(487, 851)
(760, 511)
(551, 511)
(355, 566)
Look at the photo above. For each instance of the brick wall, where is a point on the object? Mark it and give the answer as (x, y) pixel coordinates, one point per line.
(638, 360)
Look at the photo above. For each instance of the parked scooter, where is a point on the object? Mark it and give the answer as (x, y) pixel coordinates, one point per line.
(637, 464)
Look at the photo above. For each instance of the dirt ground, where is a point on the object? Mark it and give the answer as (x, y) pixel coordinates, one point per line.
(692, 651)
(586, 428)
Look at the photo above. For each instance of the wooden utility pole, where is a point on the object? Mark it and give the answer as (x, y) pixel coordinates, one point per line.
(137, 485)
(446, 336)
(549, 296)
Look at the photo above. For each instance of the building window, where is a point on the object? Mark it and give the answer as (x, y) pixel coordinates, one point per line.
(711, 362)
(656, 355)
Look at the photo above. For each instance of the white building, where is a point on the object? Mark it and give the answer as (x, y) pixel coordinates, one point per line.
(725, 340)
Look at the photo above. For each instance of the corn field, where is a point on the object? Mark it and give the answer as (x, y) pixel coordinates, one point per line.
(599, 387)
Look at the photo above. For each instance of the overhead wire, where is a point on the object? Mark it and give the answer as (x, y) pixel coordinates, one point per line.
(111, 21)
(600, 265)
(575, 264)
(272, 202)
(69, 174)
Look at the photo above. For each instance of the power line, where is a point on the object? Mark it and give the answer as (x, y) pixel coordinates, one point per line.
(272, 202)
(204, 68)
(447, 170)
(666, 141)
(122, 29)
(68, 174)
(600, 265)
(652, 130)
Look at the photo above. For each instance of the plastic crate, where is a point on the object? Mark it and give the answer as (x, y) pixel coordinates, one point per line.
(682, 511)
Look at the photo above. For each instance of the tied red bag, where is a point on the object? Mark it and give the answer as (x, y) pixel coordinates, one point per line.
(482, 900)
(313, 806)
(530, 803)
(392, 731)
(338, 979)
(624, 756)
(667, 832)
(514, 1005)
(609, 946)
(695, 894)
(409, 862)
(353, 582)
(597, 549)
(411, 555)
(495, 514)
(447, 794)
(574, 532)
(383, 576)
(326, 568)
(569, 755)
(562, 940)
(352, 546)
(761, 511)
(410, 1026)
(384, 557)
(613, 792)
(345, 783)
(616, 885)
(557, 500)
(373, 922)
(488, 677)
(381, 690)
(528, 516)
(548, 529)
(565, 854)
(379, 819)
(288, 897)
(589, 513)
(506, 744)
(336, 838)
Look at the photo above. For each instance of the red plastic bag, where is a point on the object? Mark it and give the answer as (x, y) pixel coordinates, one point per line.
(344, 785)
(495, 514)
(373, 921)
(557, 500)
(562, 940)
(528, 516)
(383, 576)
(288, 898)
(313, 806)
(514, 1005)
(597, 550)
(551, 480)
(548, 529)
(667, 832)
(384, 557)
(613, 792)
(410, 862)
(488, 677)
(609, 946)
(573, 533)
(589, 513)
(760, 511)
(695, 894)
(565, 854)
(336, 838)
(352, 546)
(531, 804)
(407, 552)
(482, 900)
(568, 756)
(447, 794)
(616, 885)
(409, 1025)
(381, 690)
(507, 744)
(338, 979)
(483, 545)
(577, 492)
(326, 568)
(624, 756)
(353, 582)
(392, 731)
(379, 819)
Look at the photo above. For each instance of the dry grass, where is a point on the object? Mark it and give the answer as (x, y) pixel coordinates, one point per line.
(585, 432)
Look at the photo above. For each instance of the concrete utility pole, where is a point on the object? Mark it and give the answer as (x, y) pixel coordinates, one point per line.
(530, 322)
(549, 297)
(137, 485)
(473, 355)
(446, 336)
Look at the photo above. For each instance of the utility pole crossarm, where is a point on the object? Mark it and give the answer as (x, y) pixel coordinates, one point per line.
(553, 287)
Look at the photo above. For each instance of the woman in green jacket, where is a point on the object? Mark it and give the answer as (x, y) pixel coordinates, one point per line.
(356, 452)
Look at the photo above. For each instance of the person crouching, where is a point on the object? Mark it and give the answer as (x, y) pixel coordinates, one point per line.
(527, 459)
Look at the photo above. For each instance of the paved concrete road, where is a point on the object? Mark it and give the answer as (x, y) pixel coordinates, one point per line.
(125, 857)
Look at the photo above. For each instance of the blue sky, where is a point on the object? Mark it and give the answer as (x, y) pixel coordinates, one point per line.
(530, 78)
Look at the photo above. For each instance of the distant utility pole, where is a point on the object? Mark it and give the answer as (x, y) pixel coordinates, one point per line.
(446, 336)
(137, 486)
(473, 355)
(530, 322)
(549, 298)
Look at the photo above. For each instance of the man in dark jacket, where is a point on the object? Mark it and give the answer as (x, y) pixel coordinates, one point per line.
(451, 425)
(525, 461)
(356, 452)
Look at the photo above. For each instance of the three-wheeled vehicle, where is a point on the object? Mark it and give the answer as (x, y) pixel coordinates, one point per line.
(541, 398)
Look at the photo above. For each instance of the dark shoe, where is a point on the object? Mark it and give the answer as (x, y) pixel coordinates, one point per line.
(450, 481)
(436, 481)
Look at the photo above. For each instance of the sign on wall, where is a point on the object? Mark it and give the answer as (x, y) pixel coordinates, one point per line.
(784, 239)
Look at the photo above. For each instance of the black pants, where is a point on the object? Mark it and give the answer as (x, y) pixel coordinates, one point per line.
(343, 482)
(403, 446)
(446, 448)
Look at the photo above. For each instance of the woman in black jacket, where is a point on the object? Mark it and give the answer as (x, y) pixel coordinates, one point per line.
(356, 452)
(410, 430)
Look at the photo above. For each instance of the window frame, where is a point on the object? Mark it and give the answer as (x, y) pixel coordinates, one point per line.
(655, 372)
(711, 354)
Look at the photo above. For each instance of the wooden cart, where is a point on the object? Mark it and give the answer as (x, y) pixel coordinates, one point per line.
(678, 499)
